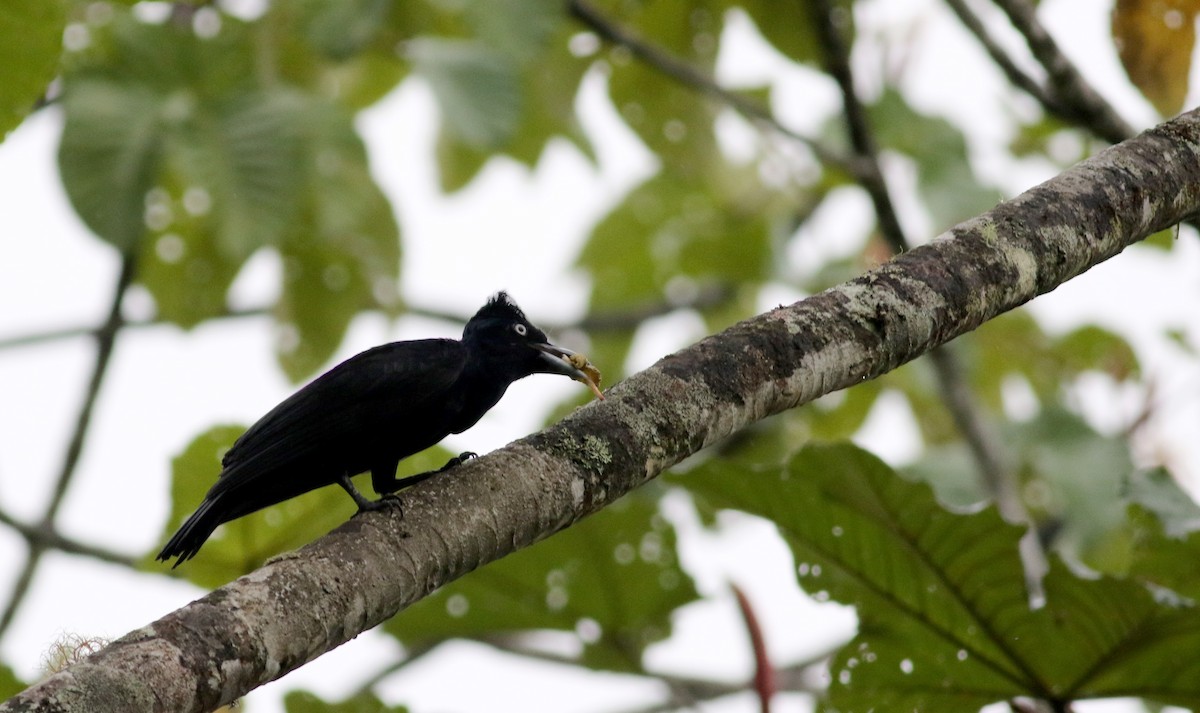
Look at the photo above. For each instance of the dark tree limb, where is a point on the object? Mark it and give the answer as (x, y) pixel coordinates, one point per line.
(302, 604)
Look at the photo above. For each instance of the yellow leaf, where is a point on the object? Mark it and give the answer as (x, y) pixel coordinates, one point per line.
(1154, 39)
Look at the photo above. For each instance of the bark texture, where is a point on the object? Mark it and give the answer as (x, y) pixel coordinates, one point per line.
(307, 602)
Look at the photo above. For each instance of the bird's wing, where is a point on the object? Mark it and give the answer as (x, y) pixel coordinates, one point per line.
(335, 408)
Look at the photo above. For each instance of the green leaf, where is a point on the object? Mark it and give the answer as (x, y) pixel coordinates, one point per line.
(841, 414)
(1073, 480)
(344, 257)
(341, 50)
(477, 88)
(1092, 348)
(518, 29)
(175, 147)
(614, 579)
(667, 228)
(305, 702)
(674, 121)
(1163, 558)
(10, 685)
(31, 34)
(549, 83)
(945, 623)
(795, 39)
(110, 155)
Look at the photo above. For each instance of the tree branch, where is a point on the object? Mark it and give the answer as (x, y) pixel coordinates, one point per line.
(1012, 72)
(39, 536)
(1086, 105)
(304, 603)
(106, 338)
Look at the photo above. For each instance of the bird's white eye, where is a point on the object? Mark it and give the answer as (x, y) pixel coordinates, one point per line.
(520, 329)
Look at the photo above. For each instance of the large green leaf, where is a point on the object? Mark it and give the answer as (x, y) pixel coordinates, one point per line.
(667, 228)
(674, 121)
(31, 34)
(549, 83)
(343, 50)
(614, 579)
(177, 147)
(946, 623)
(477, 88)
(110, 156)
(1164, 558)
(345, 255)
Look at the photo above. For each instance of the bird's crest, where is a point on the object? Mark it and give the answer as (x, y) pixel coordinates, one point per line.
(500, 306)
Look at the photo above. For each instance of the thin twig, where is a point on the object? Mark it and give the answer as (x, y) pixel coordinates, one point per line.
(105, 339)
(414, 654)
(866, 150)
(39, 536)
(765, 685)
(1016, 76)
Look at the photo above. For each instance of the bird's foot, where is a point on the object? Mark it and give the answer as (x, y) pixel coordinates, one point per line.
(384, 502)
(458, 460)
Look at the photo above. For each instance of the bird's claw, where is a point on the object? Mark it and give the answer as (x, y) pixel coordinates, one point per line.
(458, 460)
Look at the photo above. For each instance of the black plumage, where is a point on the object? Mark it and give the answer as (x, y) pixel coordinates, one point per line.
(370, 412)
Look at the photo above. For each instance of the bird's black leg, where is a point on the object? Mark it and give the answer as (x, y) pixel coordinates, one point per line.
(361, 500)
(385, 480)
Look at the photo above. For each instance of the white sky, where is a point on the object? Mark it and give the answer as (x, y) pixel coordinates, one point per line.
(517, 230)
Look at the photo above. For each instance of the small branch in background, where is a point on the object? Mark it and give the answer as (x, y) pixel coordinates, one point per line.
(1016, 76)
(48, 538)
(765, 685)
(1086, 105)
(977, 431)
(689, 76)
(414, 654)
(837, 63)
(106, 337)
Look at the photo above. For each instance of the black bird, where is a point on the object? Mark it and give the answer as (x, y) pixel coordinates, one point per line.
(373, 410)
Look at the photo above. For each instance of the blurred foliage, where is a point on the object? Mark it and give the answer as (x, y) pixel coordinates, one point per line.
(10, 685)
(945, 620)
(612, 582)
(31, 34)
(195, 139)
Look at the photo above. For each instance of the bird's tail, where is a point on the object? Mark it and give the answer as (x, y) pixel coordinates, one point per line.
(187, 541)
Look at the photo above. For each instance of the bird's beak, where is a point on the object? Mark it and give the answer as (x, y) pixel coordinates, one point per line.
(558, 360)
